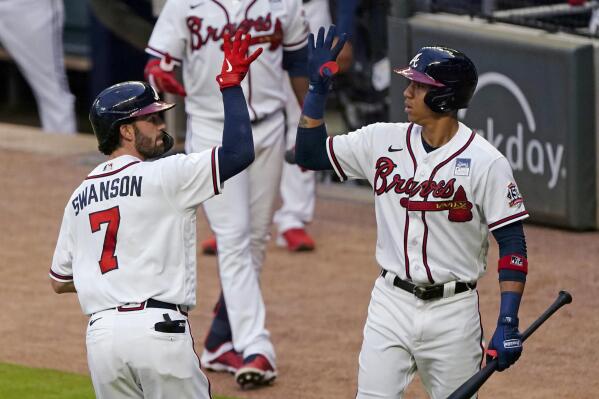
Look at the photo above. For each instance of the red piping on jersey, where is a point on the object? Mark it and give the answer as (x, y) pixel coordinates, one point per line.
(214, 174)
(225, 10)
(335, 161)
(249, 75)
(407, 222)
(247, 10)
(164, 54)
(296, 43)
(410, 148)
(60, 276)
(112, 172)
(435, 170)
(517, 215)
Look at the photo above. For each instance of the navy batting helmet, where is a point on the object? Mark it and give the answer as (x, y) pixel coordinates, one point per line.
(119, 104)
(451, 74)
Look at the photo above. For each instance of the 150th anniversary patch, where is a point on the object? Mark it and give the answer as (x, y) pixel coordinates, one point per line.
(513, 195)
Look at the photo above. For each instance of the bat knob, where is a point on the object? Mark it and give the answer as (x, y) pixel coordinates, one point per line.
(567, 298)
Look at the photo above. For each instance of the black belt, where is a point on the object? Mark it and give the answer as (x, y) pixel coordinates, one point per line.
(428, 292)
(151, 303)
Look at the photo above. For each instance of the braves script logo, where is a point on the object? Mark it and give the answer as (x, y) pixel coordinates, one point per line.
(460, 209)
(260, 24)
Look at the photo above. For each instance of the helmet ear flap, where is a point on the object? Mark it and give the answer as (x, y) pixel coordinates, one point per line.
(440, 100)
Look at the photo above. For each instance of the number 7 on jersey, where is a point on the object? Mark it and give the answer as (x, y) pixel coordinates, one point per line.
(108, 261)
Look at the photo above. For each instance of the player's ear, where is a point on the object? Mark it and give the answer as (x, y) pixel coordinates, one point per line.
(127, 132)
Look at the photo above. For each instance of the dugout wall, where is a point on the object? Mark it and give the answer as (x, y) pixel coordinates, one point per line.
(535, 101)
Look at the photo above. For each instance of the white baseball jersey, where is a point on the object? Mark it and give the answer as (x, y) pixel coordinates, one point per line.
(191, 31)
(434, 210)
(128, 231)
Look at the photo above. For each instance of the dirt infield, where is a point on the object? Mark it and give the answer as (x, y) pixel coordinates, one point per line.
(316, 302)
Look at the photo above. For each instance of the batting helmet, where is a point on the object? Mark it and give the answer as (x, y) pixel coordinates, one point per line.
(118, 104)
(451, 74)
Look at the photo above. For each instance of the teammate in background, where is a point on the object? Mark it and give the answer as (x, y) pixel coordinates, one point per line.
(439, 189)
(188, 33)
(298, 185)
(31, 32)
(127, 240)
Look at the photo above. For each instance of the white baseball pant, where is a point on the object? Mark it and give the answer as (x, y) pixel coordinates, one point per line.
(128, 358)
(240, 218)
(441, 339)
(31, 31)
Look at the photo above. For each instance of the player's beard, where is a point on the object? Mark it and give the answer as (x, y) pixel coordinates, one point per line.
(147, 146)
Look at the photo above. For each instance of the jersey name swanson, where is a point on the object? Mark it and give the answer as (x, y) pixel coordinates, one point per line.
(118, 187)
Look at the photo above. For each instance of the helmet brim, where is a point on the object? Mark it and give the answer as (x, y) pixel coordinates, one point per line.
(417, 76)
(156, 106)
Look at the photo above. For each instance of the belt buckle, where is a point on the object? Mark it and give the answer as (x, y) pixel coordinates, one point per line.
(420, 292)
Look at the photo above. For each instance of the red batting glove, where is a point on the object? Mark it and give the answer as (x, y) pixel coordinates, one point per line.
(161, 79)
(236, 64)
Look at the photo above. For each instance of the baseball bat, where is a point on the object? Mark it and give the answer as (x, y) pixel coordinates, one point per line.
(470, 387)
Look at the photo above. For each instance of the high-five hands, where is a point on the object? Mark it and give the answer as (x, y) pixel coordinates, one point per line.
(321, 59)
(236, 64)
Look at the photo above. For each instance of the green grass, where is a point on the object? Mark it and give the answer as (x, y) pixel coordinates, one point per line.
(19, 382)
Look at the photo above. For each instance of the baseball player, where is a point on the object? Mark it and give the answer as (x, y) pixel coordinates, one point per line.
(439, 189)
(298, 186)
(127, 240)
(188, 33)
(31, 31)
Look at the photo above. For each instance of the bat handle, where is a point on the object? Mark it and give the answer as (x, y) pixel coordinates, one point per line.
(466, 391)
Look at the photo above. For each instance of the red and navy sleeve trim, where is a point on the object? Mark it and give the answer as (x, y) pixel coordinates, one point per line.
(503, 221)
(162, 54)
(335, 161)
(60, 277)
(112, 172)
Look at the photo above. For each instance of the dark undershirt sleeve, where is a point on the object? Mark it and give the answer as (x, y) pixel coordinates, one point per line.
(310, 148)
(510, 239)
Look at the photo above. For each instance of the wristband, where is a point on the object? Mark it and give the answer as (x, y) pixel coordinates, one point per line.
(513, 262)
(510, 303)
(314, 104)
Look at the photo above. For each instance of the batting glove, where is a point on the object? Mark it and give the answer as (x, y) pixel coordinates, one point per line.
(321, 59)
(159, 73)
(506, 344)
(236, 64)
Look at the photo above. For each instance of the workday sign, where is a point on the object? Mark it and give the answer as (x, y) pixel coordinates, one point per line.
(535, 102)
(516, 134)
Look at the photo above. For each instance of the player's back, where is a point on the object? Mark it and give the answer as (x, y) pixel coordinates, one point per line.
(129, 231)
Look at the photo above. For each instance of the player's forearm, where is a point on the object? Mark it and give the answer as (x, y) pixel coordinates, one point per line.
(62, 288)
(299, 84)
(237, 150)
(346, 15)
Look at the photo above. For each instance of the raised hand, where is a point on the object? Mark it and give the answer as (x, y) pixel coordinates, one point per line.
(321, 58)
(236, 64)
(159, 73)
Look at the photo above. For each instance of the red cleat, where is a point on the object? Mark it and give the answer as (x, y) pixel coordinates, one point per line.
(296, 240)
(229, 361)
(256, 372)
(209, 246)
